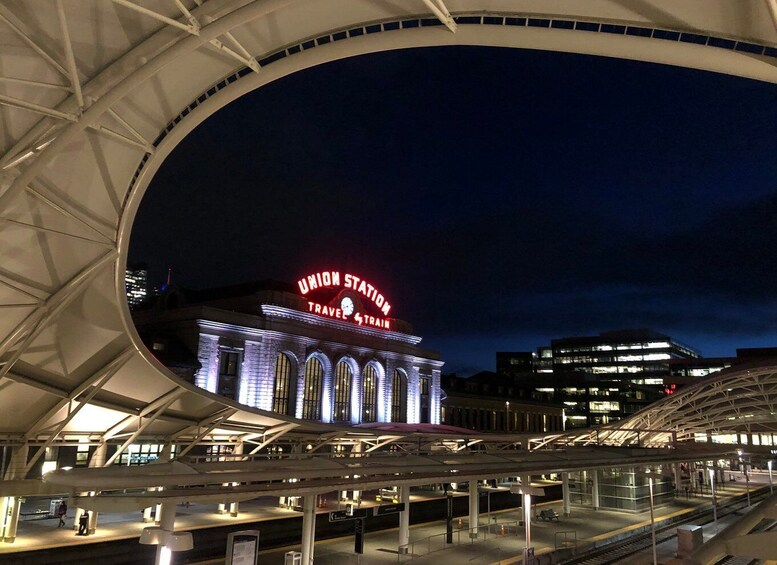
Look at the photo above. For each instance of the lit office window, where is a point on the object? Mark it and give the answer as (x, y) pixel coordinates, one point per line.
(311, 400)
(603, 406)
(398, 397)
(369, 394)
(341, 409)
(280, 397)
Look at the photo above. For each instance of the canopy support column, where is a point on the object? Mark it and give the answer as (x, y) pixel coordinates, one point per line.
(404, 519)
(566, 506)
(473, 509)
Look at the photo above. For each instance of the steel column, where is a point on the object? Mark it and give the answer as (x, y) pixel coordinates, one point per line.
(308, 528)
(473, 508)
(404, 519)
(566, 505)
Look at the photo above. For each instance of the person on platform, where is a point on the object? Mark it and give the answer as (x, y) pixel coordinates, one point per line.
(83, 524)
(62, 513)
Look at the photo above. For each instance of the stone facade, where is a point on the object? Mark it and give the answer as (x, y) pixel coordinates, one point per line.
(237, 345)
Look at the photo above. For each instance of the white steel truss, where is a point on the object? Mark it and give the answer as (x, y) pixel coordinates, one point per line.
(734, 402)
(86, 126)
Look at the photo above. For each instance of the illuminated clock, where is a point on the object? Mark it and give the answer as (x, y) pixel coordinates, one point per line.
(346, 305)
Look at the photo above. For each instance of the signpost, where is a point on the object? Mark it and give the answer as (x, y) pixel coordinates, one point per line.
(358, 542)
(389, 509)
(359, 515)
(343, 516)
(449, 518)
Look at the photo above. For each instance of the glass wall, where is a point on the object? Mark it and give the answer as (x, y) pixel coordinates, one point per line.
(620, 489)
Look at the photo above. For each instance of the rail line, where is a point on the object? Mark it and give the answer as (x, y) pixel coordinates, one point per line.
(619, 550)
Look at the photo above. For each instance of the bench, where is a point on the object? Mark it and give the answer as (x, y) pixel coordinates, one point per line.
(548, 515)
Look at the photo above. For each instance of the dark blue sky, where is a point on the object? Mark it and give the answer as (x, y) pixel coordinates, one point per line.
(499, 197)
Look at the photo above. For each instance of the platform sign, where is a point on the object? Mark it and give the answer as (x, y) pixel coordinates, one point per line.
(389, 509)
(342, 515)
(449, 518)
(358, 542)
(243, 548)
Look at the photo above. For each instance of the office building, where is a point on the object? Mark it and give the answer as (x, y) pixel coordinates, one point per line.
(136, 284)
(642, 356)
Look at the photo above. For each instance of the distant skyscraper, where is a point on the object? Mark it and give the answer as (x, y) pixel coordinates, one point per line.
(136, 283)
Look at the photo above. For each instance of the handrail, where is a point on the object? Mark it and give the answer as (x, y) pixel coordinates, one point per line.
(437, 542)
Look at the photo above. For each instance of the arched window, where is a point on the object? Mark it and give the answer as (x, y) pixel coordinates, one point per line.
(370, 394)
(398, 397)
(341, 408)
(281, 390)
(311, 401)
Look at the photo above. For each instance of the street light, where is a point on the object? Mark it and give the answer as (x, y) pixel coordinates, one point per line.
(714, 498)
(650, 475)
(487, 490)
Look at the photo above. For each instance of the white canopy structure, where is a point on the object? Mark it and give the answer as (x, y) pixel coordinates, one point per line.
(94, 94)
(735, 406)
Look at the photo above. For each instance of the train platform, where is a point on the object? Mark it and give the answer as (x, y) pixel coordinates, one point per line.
(502, 542)
(500, 538)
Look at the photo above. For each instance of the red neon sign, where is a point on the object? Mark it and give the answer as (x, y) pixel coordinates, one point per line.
(329, 279)
(358, 318)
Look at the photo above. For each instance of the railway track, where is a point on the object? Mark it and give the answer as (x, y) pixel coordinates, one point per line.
(617, 551)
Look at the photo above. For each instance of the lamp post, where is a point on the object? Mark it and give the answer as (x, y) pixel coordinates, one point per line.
(771, 486)
(488, 509)
(650, 475)
(487, 490)
(714, 498)
(652, 521)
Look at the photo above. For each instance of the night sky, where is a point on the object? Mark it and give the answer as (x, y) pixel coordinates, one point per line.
(499, 198)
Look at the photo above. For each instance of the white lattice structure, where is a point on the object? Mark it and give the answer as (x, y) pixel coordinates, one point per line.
(94, 94)
(735, 406)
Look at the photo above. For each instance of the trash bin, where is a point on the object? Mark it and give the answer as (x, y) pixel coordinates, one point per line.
(292, 558)
(54, 506)
(689, 539)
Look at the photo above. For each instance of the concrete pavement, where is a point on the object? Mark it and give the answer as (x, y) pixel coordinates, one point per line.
(501, 542)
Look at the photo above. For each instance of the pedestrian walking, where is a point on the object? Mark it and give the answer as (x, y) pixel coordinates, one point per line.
(83, 524)
(62, 513)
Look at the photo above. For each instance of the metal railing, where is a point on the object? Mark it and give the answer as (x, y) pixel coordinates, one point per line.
(566, 540)
(438, 542)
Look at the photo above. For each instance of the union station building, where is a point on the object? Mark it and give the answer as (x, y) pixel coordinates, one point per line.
(323, 349)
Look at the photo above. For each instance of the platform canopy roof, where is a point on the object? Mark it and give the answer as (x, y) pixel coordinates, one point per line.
(723, 407)
(95, 94)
